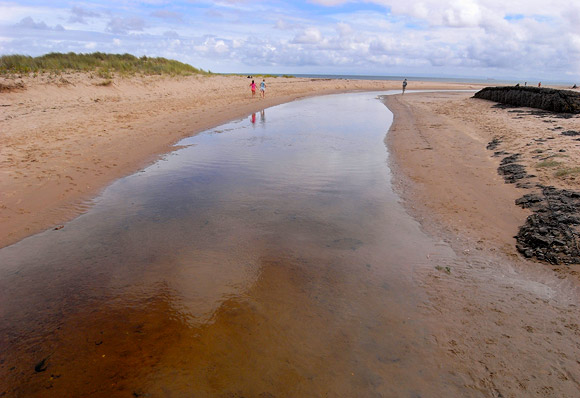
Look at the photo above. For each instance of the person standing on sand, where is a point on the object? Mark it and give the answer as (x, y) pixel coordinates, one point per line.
(404, 85)
(263, 88)
(253, 87)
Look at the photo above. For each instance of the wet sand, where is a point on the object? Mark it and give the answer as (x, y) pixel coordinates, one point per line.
(510, 323)
(448, 176)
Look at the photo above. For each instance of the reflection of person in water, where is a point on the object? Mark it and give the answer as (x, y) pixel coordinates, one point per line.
(262, 116)
(253, 117)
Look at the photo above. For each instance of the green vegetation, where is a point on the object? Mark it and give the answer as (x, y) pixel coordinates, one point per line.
(103, 64)
(548, 163)
(567, 171)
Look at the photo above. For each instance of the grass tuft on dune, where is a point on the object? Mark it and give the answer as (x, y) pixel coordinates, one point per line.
(101, 63)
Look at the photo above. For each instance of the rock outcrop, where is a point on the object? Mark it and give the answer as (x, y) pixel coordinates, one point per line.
(562, 101)
(552, 233)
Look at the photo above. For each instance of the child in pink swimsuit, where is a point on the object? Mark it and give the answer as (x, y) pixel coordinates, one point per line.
(253, 87)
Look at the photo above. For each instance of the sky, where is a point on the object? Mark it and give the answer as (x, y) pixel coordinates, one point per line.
(521, 40)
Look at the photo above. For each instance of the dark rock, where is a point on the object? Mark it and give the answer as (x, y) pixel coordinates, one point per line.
(524, 185)
(505, 106)
(528, 200)
(511, 159)
(41, 366)
(562, 101)
(493, 144)
(552, 232)
(511, 171)
(570, 133)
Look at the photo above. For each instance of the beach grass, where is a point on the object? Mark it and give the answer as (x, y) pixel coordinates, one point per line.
(548, 163)
(103, 64)
(567, 172)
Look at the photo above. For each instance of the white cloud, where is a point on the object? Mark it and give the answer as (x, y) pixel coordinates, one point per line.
(484, 38)
(344, 29)
(463, 13)
(212, 45)
(308, 36)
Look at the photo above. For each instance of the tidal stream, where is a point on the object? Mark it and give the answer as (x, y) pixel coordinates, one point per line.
(268, 257)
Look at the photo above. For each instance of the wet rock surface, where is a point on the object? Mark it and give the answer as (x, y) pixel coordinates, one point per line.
(562, 101)
(493, 144)
(552, 232)
(511, 171)
(571, 133)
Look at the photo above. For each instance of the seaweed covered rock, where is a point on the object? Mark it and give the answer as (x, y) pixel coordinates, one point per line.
(552, 233)
(562, 101)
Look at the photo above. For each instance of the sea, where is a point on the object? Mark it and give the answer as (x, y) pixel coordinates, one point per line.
(489, 81)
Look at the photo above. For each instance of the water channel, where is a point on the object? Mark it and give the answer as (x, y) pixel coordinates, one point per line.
(268, 257)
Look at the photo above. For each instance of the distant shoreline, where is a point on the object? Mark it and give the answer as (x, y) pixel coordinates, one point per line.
(466, 80)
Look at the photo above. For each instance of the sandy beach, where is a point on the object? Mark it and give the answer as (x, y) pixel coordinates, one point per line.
(448, 176)
(505, 325)
(512, 322)
(66, 137)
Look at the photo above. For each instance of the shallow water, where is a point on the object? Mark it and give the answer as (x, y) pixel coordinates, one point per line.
(268, 257)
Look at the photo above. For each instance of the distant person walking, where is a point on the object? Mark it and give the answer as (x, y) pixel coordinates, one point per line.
(540, 84)
(404, 85)
(263, 88)
(253, 87)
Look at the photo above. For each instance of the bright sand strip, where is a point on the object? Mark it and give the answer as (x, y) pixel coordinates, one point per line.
(63, 138)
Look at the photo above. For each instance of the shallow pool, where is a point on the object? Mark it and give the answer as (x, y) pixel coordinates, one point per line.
(268, 257)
